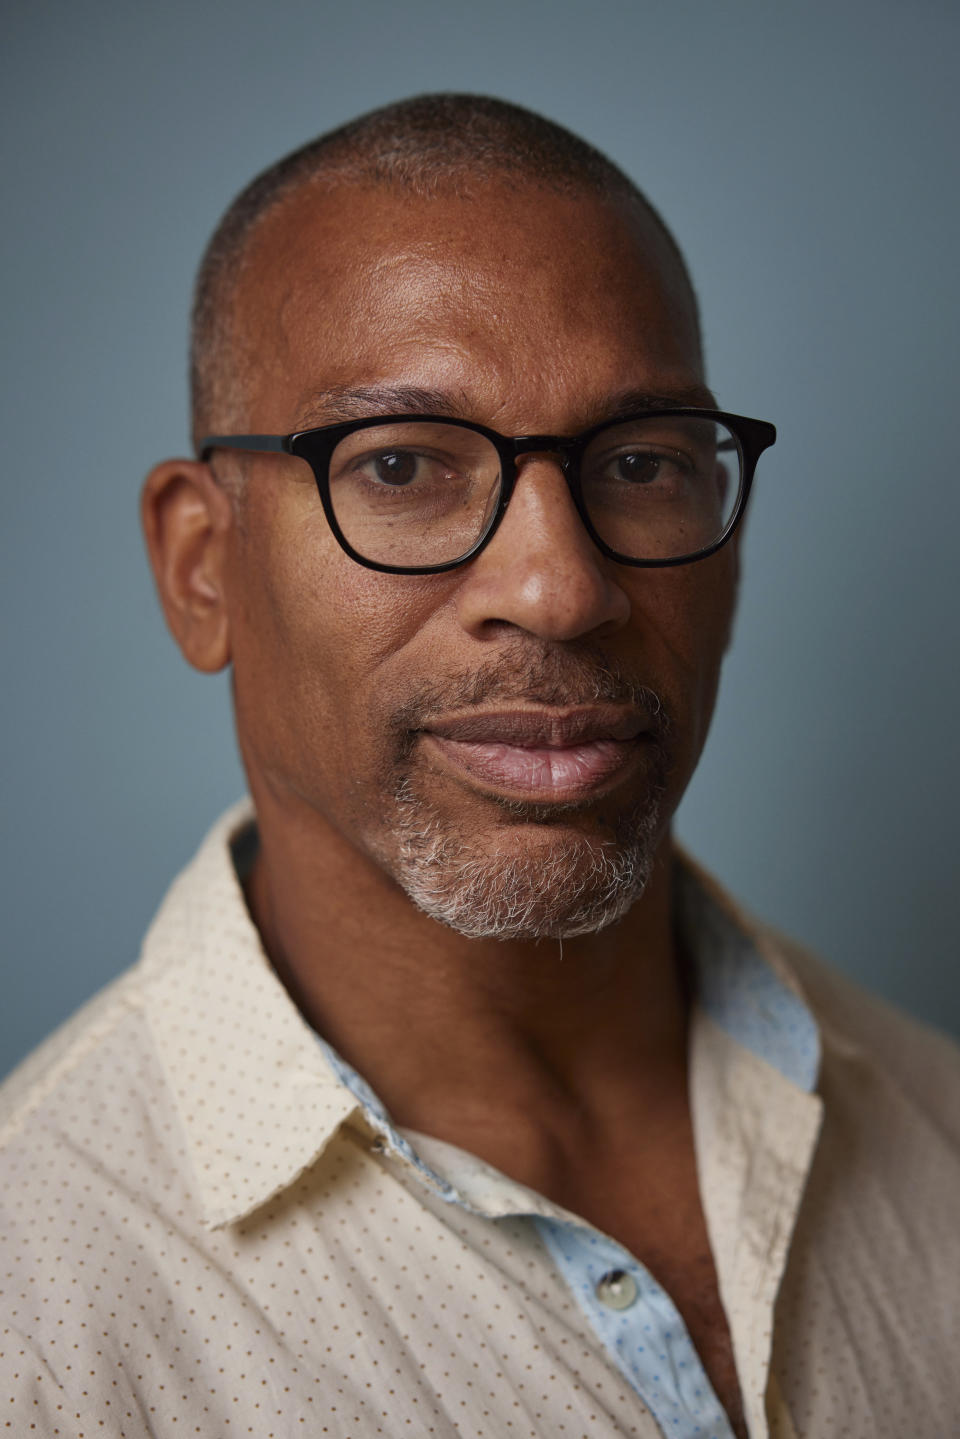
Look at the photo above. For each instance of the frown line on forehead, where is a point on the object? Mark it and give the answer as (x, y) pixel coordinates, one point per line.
(351, 402)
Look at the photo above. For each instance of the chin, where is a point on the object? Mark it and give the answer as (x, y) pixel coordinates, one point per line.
(527, 881)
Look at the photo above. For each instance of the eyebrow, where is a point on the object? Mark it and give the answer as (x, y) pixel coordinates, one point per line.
(630, 402)
(357, 402)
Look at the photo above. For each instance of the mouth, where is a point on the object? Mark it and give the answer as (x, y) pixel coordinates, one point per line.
(546, 756)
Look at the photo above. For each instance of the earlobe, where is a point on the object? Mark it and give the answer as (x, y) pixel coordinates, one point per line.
(187, 523)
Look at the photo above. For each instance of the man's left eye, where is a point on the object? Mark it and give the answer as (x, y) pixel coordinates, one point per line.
(641, 467)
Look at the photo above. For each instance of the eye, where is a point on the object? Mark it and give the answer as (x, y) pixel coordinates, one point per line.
(646, 467)
(395, 467)
(641, 467)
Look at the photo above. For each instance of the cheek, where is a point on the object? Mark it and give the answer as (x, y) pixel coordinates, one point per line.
(316, 640)
(692, 608)
(687, 615)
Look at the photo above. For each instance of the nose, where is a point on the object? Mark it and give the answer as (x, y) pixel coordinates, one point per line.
(541, 572)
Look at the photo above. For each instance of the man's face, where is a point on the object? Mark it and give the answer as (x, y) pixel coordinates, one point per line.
(509, 739)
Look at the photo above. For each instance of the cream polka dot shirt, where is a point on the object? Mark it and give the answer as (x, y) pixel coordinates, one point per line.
(210, 1226)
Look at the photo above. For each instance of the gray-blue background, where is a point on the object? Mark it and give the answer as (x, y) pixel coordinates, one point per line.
(805, 155)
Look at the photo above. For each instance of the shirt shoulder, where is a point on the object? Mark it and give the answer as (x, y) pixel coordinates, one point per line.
(871, 1283)
(37, 1078)
(861, 1031)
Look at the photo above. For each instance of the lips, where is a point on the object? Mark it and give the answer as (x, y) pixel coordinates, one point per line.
(541, 754)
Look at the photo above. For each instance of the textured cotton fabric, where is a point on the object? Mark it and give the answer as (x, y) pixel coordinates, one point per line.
(210, 1226)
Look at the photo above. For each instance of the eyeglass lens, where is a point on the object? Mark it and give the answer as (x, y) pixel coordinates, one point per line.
(420, 492)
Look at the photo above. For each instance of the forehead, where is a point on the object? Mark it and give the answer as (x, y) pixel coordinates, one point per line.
(510, 297)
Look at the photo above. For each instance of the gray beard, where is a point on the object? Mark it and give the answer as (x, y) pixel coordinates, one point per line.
(567, 884)
(564, 881)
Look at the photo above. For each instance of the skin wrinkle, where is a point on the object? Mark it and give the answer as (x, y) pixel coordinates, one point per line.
(429, 148)
(426, 272)
(345, 402)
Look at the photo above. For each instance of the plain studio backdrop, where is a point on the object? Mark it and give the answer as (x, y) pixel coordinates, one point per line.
(804, 155)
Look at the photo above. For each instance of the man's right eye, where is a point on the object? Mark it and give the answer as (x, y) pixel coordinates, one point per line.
(394, 467)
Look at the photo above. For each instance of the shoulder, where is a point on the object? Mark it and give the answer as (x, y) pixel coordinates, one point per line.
(863, 1038)
(86, 1117)
(53, 1065)
(864, 1035)
(880, 1208)
(870, 1288)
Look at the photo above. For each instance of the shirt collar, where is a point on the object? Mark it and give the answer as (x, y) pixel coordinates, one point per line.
(755, 1053)
(209, 988)
(742, 982)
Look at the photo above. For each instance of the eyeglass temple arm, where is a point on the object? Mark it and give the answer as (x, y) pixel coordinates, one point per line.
(272, 443)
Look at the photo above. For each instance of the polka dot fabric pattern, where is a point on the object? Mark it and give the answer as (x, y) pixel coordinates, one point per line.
(205, 1232)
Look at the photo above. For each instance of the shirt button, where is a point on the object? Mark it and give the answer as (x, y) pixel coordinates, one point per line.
(616, 1289)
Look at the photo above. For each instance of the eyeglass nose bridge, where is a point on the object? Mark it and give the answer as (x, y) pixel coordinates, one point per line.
(565, 449)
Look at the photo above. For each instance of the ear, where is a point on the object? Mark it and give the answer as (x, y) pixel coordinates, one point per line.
(187, 521)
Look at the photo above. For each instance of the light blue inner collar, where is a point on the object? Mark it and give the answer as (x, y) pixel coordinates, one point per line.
(733, 984)
(739, 990)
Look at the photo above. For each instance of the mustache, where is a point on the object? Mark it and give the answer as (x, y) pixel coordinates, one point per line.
(546, 675)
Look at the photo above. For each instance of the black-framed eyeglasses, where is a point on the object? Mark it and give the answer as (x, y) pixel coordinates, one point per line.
(418, 494)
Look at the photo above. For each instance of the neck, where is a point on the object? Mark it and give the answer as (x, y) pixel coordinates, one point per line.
(460, 1037)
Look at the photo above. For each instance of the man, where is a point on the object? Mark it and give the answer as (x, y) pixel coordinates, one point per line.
(447, 1098)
